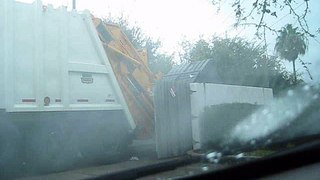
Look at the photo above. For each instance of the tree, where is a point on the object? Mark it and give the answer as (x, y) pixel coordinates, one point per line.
(161, 62)
(290, 44)
(239, 62)
(256, 13)
(158, 61)
(265, 14)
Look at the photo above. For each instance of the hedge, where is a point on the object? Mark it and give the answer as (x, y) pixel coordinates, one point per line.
(217, 121)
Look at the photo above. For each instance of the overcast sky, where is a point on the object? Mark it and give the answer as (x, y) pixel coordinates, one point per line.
(174, 20)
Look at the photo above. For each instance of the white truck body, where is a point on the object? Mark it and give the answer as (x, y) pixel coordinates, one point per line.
(53, 60)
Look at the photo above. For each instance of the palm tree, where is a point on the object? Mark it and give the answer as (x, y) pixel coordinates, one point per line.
(290, 44)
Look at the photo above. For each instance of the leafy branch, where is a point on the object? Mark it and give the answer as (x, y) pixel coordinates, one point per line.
(304, 65)
(260, 9)
(301, 18)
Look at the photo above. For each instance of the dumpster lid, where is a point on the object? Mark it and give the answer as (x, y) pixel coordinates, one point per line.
(206, 72)
(198, 71)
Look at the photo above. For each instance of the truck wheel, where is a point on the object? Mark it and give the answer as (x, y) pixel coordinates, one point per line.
(120, 145)
(50, 148)
(9, 146)
(123, 146)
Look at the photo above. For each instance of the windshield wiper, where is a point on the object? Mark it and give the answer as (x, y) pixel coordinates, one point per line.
(299, 156)
(141, 171)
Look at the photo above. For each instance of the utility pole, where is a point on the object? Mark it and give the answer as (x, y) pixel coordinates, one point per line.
(74, 4)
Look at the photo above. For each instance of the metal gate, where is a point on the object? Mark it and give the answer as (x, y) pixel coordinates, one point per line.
(172, 118)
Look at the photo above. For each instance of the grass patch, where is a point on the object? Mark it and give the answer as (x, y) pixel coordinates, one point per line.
(260, 153)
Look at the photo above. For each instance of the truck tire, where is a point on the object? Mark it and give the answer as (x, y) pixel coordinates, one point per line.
(50, 148)
(102, 142)
(9, 146)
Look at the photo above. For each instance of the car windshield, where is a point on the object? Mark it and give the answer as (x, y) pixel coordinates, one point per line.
(111, 85)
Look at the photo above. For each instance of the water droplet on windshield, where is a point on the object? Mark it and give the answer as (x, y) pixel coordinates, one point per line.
(239, 155)
(316, 96)
(253, 142)
(269, 141)
(214, 157)
(290, 93)
(205, 168)
(219, 155)
(246, 128)
(265, 131)
(306, 87)
(289, 113)
(265, 111)
(270, 116)
(211, 155)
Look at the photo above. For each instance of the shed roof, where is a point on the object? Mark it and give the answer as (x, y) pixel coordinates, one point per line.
(198, 71)
(206, 72)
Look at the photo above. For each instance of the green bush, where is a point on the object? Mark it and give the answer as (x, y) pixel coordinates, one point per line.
(217, 121)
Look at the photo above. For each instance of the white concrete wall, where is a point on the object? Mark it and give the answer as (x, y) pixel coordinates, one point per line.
(206, 94)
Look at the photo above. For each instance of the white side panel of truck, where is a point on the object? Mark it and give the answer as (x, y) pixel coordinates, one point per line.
(53, 60)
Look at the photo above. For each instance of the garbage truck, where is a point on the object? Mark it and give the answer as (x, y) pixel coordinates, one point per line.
(133, 75)
(61, 99)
